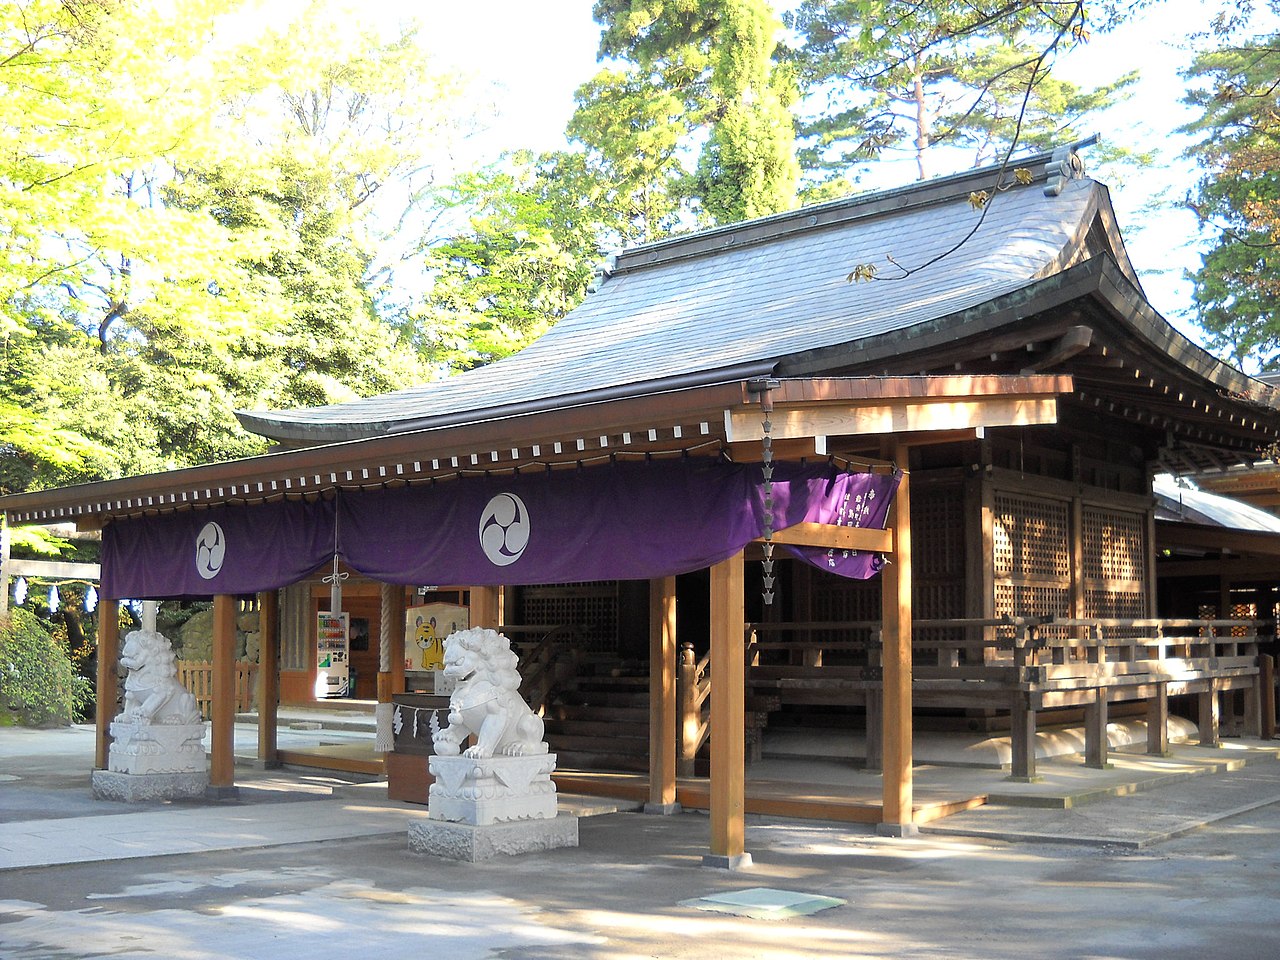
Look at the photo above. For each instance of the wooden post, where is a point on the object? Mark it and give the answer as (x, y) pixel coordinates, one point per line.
(1022, 739)
(662, 697)
(1210, 734)
(728, 720)
(268, 693)
(1267, 700)
(222, 733)
(108, 677)
(486, 607)
(874, 699)
(690, 720)
(1095, 731)
(1158, 722)
(398, 605)
(896, 816)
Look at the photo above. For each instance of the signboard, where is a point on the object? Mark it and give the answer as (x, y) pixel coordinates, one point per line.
(332, 654)
(425, 629)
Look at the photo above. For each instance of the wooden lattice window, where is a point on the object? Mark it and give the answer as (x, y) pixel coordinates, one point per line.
(1031, 538)
(1114, 559)
(1031, 555)
(591, 609)
(1114, 544)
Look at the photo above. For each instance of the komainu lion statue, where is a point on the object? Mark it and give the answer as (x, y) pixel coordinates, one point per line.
(486, 701)
(152, 693)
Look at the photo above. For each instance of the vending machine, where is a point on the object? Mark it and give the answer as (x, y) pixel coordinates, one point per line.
(333, 654)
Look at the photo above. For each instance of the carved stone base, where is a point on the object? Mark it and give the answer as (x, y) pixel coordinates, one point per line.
(471, 843)
(142, 748)
(149, 787)
(493, 789)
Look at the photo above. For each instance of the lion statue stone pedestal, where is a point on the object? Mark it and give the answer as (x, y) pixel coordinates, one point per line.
(496, 795)
(157, 741)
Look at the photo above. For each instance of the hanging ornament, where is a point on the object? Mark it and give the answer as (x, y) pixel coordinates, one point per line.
(91, 599)
(53, 599)
(20, 591)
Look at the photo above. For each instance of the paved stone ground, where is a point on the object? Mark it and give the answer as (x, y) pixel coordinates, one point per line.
(1208, 893)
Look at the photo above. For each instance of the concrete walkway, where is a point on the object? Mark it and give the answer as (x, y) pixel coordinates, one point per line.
(1137, 802)
(306, 864)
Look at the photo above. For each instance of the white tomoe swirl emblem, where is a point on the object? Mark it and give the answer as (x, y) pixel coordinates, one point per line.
(504, 529)
(211, 550)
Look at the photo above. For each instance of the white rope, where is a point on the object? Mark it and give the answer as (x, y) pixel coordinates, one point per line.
(384, 739)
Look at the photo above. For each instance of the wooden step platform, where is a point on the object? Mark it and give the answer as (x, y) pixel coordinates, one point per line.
(804, 801)
(358, 757)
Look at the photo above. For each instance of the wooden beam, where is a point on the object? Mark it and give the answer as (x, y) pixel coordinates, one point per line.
(881, 417)
(1075, 340)
(896, 602)
(108, 678)
(268, 693)
(662, 696)
(728, 682)
(54, 569)
(836, 537)
(223, 726)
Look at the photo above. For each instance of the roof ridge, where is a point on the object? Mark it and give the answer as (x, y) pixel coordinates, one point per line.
(1044, 166)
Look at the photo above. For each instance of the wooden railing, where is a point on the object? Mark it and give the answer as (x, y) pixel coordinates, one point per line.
(547, 658)
(1028, 664)
(693, 688)
(197, 677)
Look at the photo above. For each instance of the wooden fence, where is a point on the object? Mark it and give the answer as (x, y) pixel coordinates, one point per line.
(197, 676)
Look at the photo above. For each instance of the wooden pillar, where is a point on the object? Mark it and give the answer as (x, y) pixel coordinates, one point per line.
(662, 697)
(108, 677)
(390, 627)
(268, 693)
(1095, 731)
(1267, 704)
(486, 607)
(1210, 734)
(728, 720)
(874, 701)
(896, 815)
(222, 759)
(1158, 722)
(1022, 739)
(399, 604)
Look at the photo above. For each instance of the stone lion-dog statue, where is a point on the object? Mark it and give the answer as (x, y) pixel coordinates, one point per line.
(152, 693)
(486, 702)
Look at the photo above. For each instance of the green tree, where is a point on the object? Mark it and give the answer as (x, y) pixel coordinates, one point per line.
(1237, 287)
(519, 259)
(188, 206)
(719, 98)
(888, 76)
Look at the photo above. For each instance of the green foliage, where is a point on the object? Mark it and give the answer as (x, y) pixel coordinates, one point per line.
(885, 77)
(697, 79)
(1237, 287)
(520, 261)
(38, 684)
(187, 203)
